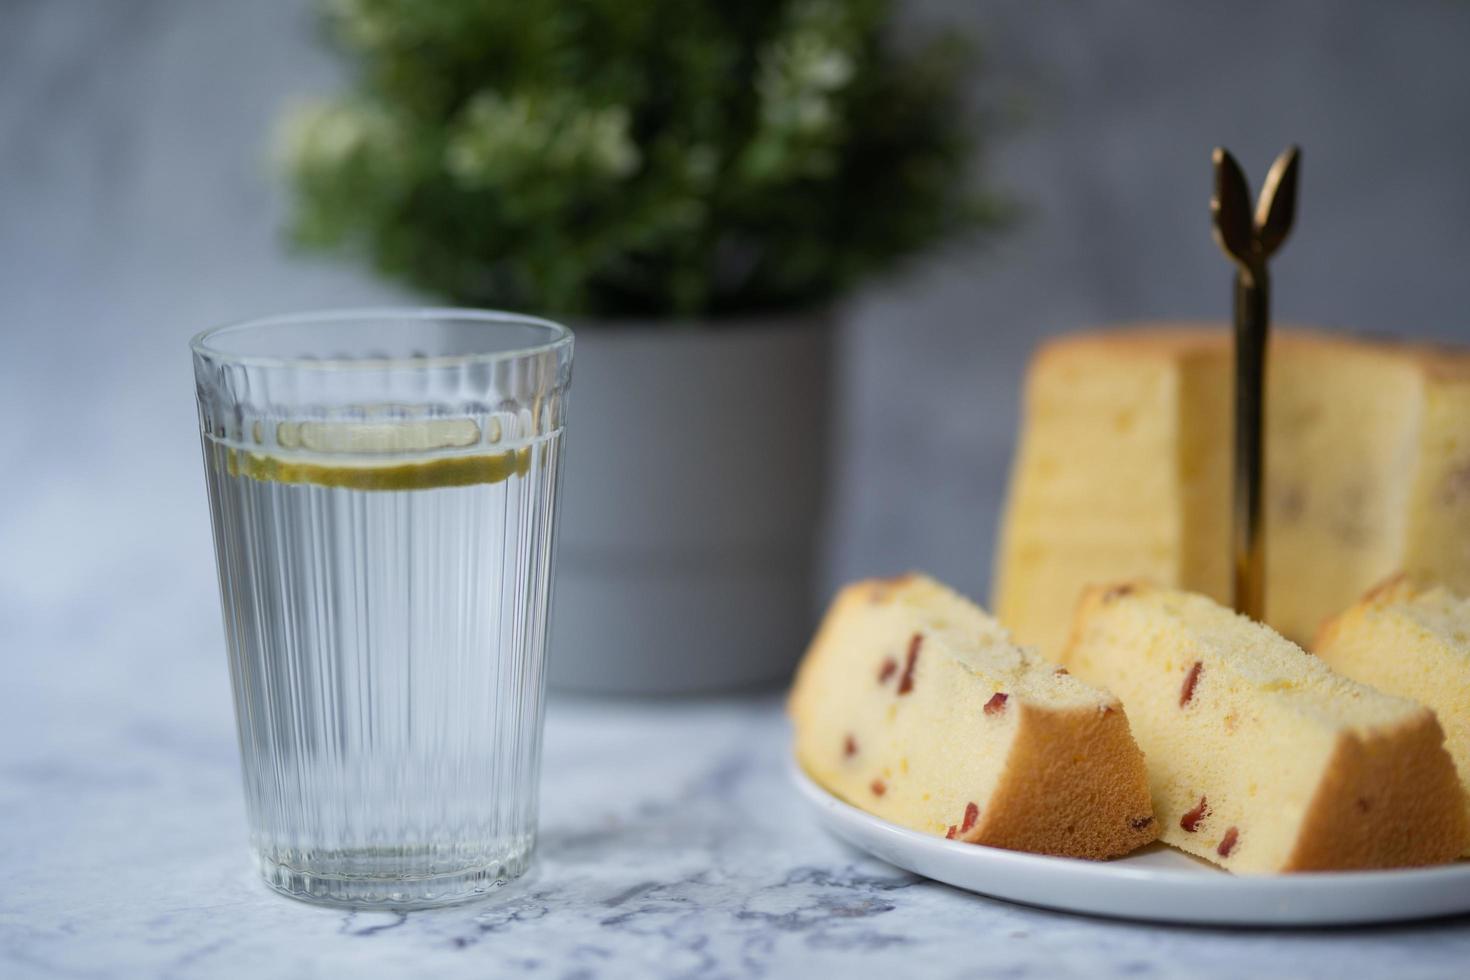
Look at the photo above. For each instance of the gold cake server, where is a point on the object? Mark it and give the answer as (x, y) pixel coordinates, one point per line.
(1250, 240)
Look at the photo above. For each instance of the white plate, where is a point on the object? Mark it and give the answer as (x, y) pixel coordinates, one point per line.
(1157, 883)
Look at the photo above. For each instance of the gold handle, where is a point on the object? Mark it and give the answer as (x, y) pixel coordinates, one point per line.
(1250, 240)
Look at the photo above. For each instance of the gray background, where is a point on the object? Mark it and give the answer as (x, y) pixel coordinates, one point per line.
(137, 205)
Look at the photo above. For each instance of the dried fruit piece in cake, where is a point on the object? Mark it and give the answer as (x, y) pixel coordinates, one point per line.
(969, 736)
(1271, 762)
(1414, 642)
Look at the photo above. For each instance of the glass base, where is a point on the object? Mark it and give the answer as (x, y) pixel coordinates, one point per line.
(388, 890)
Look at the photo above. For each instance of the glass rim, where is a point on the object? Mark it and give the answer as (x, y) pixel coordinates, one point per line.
(560, 336)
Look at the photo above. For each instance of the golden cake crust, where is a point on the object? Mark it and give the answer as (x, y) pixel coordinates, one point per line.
(1070, 781)
(1067, 763)
(1360, 816)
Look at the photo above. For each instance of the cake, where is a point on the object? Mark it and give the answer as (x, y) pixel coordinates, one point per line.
(914, 705)
(1260, 758)
(1412, 641)
(1123, 470)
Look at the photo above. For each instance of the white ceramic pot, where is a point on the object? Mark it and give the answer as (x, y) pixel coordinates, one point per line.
(691, 502)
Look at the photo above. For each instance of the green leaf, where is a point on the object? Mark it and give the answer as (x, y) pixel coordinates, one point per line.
(649, 159)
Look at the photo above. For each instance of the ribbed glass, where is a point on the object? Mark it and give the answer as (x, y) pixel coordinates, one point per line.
(383, 492)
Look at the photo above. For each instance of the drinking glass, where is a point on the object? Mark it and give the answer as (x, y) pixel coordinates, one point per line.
(383, 492)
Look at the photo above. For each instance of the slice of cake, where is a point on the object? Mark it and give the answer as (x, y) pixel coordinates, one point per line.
(1123, 471)
(1414, 642)
(914, 705)
(1260, 758)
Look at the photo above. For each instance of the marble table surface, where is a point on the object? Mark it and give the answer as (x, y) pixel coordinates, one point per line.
(671, 846)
